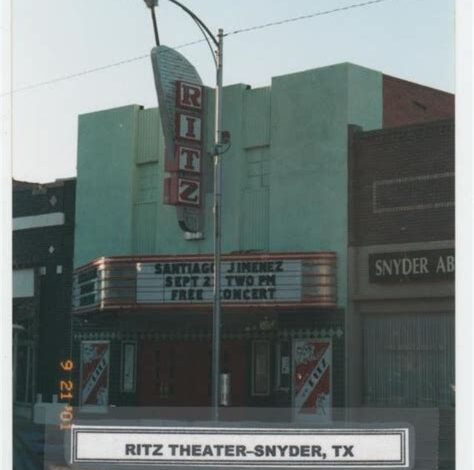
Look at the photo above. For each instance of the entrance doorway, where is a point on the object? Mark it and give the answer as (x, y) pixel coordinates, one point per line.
(178, 373)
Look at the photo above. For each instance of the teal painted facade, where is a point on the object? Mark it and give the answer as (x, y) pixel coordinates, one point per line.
(106, 169)
(285, 176)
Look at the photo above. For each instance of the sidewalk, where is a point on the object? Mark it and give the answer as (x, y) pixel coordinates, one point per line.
(28, 444)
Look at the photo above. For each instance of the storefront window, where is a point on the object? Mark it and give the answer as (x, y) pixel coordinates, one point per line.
(410, 360)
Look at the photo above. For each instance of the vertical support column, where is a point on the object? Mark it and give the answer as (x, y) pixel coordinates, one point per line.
(216, 324)
(353, 354)
(28, 365)
(15, 361)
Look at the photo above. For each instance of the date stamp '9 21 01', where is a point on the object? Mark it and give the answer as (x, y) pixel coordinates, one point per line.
(66, 395)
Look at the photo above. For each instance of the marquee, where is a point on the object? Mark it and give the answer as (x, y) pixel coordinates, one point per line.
(263, 280)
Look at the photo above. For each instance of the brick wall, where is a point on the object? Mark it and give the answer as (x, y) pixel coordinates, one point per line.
(402, 184)
(409, 103)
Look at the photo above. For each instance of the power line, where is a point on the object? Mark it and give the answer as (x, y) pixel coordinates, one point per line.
(96, 69)
(231, 33)
(74, 75)
(304, 17)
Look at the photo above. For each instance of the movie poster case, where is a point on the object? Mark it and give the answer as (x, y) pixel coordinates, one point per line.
(94, 373)
(312, 380)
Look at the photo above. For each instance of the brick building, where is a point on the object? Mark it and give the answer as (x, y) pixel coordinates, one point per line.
(402, 255)
(411, 103)
(43, 234)
(400, 327)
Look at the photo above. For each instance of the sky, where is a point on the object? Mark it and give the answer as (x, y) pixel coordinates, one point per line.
(52, 39)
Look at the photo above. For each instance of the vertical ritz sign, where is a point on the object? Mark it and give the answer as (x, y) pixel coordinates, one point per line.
(183, 186)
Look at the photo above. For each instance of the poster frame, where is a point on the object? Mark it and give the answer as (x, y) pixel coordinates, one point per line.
(81, 378)
(300, 417)
(123, 346)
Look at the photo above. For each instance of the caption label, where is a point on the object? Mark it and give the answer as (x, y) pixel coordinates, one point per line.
(347, 448)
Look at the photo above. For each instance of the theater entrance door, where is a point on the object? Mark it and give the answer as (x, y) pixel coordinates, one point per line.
(173, 373)
(178, 373)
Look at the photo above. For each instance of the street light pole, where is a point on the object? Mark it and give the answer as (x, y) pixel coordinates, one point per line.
(151, 4)
(216, 314)
(217, 153)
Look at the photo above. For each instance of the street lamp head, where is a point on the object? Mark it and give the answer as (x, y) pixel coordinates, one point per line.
(151, 3)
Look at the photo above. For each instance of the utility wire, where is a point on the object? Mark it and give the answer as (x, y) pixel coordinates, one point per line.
(231, 33)
(304, 17)
(96, 69)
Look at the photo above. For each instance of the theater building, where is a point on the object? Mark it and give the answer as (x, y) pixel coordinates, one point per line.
(142, 303)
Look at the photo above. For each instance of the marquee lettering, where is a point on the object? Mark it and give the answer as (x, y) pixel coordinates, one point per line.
(184, 268)
(249, 294)
(186, 294)
(256, 266)
(241, 281)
